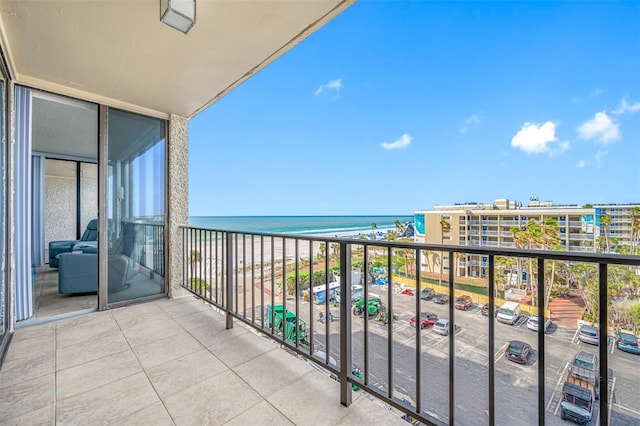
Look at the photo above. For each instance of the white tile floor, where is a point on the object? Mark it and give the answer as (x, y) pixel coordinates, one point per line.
(166, 362)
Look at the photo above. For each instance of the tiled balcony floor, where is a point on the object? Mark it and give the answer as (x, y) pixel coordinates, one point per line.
(163, 363)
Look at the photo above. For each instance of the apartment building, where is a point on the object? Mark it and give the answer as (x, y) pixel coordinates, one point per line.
(489, 225)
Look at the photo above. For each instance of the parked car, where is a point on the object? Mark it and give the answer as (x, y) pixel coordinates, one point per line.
(589, 334)
(518, 351)
(427, 293)
(533, 323)
(509, 313)
(441, 326)
(440, 299)
(427, 319)
(628, 342)
(577, 403)
(485, 309)
(463, 302)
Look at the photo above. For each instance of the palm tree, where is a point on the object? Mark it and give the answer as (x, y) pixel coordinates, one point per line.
(605, 223)
(635, 229)
(194, 257)
(322, 249)
(425, 256)
(551, 241)
(533, 236)
(373, 230)
(520, 242)
(457, 256)
(445, 226)
(335, 251)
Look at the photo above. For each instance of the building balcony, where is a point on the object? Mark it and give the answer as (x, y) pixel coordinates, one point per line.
(490, 233)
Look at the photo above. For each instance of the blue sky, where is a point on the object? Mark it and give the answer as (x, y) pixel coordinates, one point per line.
(396, 106)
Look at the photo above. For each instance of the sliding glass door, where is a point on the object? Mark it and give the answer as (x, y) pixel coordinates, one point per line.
(135, 205)
(3, 290)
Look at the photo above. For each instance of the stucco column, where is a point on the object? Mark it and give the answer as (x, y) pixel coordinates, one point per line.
(178, 201)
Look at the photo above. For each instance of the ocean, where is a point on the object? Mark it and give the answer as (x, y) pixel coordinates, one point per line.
(303, 225)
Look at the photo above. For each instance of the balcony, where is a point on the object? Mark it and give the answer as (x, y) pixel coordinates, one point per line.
(392, 356)
(234, 359)
(166, 362)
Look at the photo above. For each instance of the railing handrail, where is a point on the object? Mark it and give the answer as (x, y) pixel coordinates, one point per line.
(617, 259)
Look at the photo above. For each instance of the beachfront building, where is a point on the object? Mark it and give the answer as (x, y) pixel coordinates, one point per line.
(489, 225)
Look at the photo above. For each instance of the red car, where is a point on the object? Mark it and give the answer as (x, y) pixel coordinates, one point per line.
(463, 302)
(427, 319)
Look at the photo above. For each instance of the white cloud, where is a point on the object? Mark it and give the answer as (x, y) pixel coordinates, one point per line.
(601, 128)
(473, 119)
(401, 143)
(625, 107)
(534, 138)
(600, 157)
(581, 164)
(332, 85)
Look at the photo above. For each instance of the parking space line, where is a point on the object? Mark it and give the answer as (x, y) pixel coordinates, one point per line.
(575, 336)
(610, 398)
(501, 352)
(637, 413)
(557, 387)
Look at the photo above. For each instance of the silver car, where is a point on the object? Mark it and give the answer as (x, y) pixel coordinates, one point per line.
(441, 327)
(533, 323)
(589, 334)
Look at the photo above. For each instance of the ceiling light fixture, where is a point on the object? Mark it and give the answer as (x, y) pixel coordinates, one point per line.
(179, 14)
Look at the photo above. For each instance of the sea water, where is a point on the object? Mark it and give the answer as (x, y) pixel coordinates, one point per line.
(303, 225)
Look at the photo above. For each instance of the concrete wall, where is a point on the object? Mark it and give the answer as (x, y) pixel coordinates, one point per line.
(178, 201)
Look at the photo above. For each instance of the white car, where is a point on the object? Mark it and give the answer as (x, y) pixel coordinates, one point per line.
(441, 326)
(533, 323)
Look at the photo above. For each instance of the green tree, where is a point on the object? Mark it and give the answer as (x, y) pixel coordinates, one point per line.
(445, 226)
(335, 252)
(605, 223)
(635, 229)
(194, 258)
(551, 241)
(374, 226)
(322, 249)
(520, 242)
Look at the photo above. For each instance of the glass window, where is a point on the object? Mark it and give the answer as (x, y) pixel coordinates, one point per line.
(136, 206)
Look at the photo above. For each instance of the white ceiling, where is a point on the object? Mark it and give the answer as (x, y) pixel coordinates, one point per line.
(119, 53)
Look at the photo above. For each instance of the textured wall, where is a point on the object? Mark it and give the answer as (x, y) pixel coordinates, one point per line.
(88, 194)
(178, 214)
(60, 209)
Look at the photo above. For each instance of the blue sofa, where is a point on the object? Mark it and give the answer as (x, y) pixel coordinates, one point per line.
(78, 272)
(65, 246)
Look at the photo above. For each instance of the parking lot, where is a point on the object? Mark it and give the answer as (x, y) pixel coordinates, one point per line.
(516, 385)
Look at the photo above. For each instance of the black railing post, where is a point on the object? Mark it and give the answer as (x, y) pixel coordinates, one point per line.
(452, 348)
(229, 283)
(345, 323)
(492, 346)
(603, 386)
(541, 331)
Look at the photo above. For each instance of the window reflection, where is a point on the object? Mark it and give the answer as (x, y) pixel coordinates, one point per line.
(136, 206)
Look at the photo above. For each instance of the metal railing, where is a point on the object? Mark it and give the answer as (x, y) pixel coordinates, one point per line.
(149, 240)
(265, 281)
